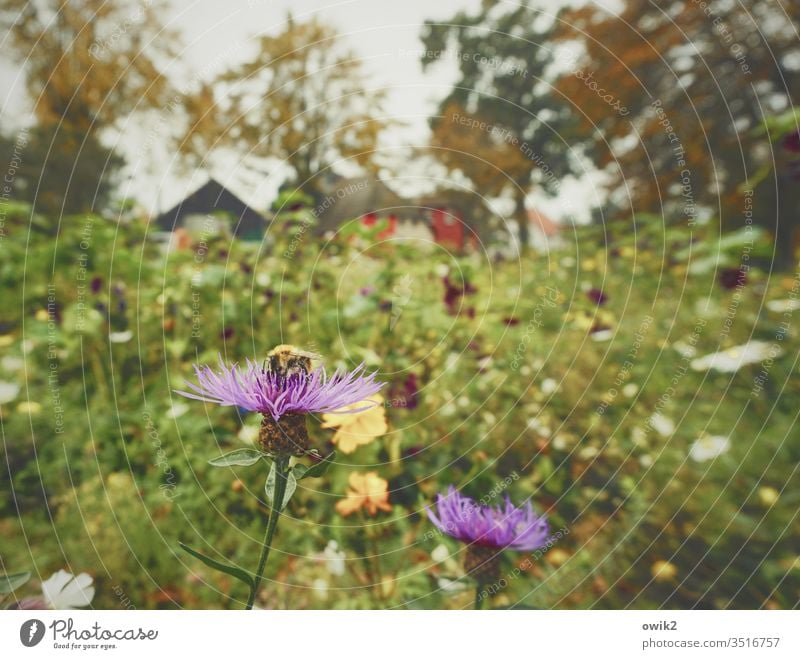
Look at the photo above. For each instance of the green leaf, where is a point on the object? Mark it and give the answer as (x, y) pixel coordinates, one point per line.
(241, 457)
(10, 582)
(291, 486)
(316, 470)
(221, 567)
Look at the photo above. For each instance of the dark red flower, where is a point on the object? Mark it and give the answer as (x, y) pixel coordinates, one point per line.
(411, 389)
(731, 278)
(453, 294)
(511, 321)
(792, 142)
(413, 451)
(597, 296)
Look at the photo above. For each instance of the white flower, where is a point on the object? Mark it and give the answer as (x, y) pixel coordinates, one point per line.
(8, 391)
(602, 335)
(732, 359)
(120, 337)
(485, 363)
(11, 363)
(249, 434)
(709, 447)
(451, 585)
(639, 436)
(782, 306)
(441, 270)
(320, 587)
(334, 558)
(630, 390)
(176, 410)
(685, 349)
(662, 425)
(537, 426)
(66, 591)
(707, 308)
(440, 554)
(548, 386)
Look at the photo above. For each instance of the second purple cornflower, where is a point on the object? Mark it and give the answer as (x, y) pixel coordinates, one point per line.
(488, 530)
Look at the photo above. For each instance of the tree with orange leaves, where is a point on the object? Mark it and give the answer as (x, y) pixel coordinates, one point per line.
(697, 80)
(87, 66)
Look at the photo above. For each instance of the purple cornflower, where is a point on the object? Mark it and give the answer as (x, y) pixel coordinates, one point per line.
(501, 527)
(284, 400)
(276, 395)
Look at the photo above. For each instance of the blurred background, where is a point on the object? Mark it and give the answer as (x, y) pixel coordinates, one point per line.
(565, 234)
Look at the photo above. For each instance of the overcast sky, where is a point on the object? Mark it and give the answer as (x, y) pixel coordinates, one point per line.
(385, 34)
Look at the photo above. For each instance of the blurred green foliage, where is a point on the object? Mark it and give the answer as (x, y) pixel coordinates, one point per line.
(538, 391)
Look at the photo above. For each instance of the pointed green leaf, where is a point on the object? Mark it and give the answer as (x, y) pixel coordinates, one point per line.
(316, 470)
(291, 486)
(221, 567)
(10, 582)
(241, 457)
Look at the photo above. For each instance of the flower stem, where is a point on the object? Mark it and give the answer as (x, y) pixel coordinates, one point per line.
(281, 471)
(478, 598)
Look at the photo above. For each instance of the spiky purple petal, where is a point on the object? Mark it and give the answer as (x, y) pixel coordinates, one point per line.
(502, 527)
(257, 390)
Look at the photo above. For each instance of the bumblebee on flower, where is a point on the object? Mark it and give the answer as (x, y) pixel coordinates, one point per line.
(284, 389)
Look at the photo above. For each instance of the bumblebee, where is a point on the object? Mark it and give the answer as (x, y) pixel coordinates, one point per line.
(286, 360)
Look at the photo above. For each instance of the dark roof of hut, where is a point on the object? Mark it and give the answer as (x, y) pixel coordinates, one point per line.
(350, 199)
(213, 197)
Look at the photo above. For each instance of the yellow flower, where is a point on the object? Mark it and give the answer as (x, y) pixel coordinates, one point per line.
(663, 571)
(368, 491)
(29, 407)
(557, 557)
(357, 428)
(768, 496)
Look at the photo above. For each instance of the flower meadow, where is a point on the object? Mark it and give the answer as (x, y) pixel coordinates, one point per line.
(609, 424)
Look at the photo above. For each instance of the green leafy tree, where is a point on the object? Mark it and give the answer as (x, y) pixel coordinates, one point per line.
(500, 125)
(61, 170)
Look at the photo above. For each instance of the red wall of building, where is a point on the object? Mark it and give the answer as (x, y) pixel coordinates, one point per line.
(448, 229)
